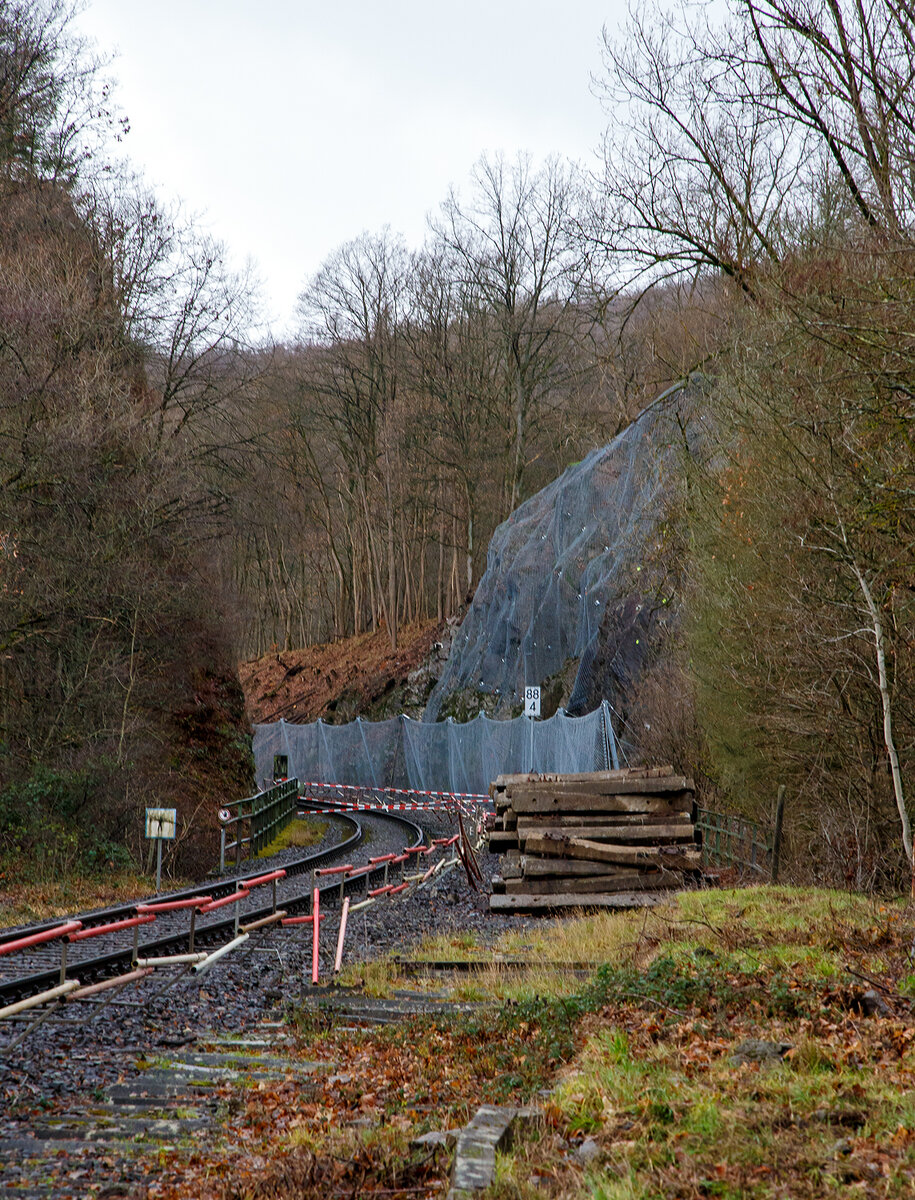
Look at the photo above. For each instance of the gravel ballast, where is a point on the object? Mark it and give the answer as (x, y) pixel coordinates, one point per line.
(91, 1046)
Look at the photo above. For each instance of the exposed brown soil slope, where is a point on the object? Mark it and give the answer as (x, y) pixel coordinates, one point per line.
(340, 680)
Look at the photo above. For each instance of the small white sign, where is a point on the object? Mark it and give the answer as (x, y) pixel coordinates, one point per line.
(532, 701)
(161, 823)
(225, 815)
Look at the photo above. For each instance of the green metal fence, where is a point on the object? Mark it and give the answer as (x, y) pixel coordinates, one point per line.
(255, 821)
(733, 841)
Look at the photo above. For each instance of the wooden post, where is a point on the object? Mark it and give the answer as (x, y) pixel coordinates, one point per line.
(777, 836)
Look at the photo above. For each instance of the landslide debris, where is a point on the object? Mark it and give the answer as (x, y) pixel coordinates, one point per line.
(356, 676)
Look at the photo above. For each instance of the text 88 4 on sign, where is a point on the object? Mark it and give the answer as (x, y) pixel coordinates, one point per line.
(532, 701)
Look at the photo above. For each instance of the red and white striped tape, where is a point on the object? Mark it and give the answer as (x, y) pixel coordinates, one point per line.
(382, 792)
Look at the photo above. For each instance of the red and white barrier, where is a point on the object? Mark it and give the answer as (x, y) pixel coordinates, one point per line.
(74, 931)
(112, 927)
(338, 958)
(119, 981)
(174, 905)
(381, 792)
(316, 927)
(270, 877)
(54, 993)
(314, 920)
(38, 939)
(210, 959)
(241, 894)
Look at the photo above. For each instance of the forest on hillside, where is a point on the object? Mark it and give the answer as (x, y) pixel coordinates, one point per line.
(178, 492)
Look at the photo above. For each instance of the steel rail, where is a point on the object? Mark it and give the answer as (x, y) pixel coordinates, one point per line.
(93, 970)
(222, 887)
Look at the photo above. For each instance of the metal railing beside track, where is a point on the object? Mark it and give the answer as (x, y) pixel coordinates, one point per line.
(257, 820)
(61, 973)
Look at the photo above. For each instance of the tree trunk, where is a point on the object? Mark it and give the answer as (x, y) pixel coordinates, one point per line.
(421, 609)
(379, 600)
(440, 583)
(468, 498)
(392, 563)
(886, 701)
(518, 449)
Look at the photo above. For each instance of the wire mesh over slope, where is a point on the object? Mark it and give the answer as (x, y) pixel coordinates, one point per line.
(568, 562)
(445, 756)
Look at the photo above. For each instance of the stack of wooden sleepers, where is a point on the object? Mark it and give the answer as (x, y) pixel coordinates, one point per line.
(608, 839)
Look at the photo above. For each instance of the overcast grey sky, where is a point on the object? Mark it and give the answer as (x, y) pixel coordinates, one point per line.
(293, 126)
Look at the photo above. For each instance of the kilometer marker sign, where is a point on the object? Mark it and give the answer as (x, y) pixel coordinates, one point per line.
(532, 701)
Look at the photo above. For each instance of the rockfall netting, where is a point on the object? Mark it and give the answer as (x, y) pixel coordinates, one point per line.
(568, 563)
(444, 756)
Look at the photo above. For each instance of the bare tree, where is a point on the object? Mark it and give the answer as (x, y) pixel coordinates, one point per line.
(55, 104)
(842, 73)
(454, 369)
(730, 139)
(773, 148)
(352, 311)
(513, 245)
(698, 176)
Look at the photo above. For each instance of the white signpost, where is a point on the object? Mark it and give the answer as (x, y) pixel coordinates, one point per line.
(161, 824)
(532, 701)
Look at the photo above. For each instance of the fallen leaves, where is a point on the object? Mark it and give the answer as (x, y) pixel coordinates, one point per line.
(655, 1085)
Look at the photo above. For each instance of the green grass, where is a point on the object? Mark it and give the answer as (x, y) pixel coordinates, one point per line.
(640, 1055)
(300, 833)
(655, 1081)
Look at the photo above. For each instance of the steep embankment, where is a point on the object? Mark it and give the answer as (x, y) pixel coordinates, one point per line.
(579, 579)
(357, 676)
(117, 682)
(577, 590)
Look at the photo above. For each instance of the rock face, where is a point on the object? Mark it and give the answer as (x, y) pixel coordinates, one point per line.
(572, 574)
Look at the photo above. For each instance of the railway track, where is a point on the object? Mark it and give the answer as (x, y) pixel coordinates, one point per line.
(188, 927)
(92, 1096)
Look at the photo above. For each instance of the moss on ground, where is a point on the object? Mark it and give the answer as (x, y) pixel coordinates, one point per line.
(301, 833)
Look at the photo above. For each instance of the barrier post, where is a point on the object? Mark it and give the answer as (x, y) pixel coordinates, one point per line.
(315, 904)
(338, 959)
(63, 961)
(190, 940)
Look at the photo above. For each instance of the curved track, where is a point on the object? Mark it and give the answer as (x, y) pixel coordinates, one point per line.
(112, 954)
